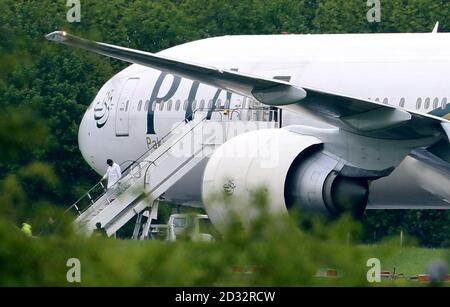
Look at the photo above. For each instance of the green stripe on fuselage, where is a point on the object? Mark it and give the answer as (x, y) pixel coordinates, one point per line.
(445, 113)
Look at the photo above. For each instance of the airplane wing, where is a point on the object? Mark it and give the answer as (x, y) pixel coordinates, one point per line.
(239, 83)
(427, 189)
(366, 117)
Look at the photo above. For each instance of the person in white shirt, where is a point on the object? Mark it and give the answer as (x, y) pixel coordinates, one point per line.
(113, 173)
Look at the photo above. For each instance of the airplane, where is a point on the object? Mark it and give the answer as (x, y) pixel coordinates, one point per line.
(363, 118)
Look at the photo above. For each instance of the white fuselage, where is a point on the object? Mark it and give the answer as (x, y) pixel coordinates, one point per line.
(140, 105)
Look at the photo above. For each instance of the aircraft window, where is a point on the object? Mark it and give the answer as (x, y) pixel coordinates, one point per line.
(139, 105)
(219, 104)
(385, 101)
(194, 105)
(154, 106)
(202, 104)
(178, 105)
(435, 103)
(402, 102)
(169, 105)
(419, 104)
(244, 103)
(210, 104)
(185, 105)
(161, 105)
(126, 106)
(444, 103)
(179, 222)
(377, 99)
(427, 103)
(147, 102)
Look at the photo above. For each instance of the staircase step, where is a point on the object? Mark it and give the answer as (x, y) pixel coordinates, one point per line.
(113, 218)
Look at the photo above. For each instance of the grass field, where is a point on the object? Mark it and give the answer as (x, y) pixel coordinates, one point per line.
(407, 260)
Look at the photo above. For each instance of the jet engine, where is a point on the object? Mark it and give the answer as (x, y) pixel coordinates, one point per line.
(293, 170)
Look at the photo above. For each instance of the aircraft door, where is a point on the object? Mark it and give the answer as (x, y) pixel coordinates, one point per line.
(124, 107)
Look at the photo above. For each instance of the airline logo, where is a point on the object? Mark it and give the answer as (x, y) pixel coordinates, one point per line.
(229, 187)
(102, 110)
(156, 98)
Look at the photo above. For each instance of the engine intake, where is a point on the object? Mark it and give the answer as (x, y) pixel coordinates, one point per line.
(314, 184)
(292, 167)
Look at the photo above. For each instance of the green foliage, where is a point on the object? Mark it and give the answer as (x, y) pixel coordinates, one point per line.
(430, 227)
(57, 83)
(276, 254)
(20, 134)
(341, 16)
(273, 251)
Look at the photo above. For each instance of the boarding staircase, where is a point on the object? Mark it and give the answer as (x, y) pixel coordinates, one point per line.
(156, 171)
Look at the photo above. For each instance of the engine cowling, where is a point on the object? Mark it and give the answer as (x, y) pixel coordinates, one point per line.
(291, 167)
